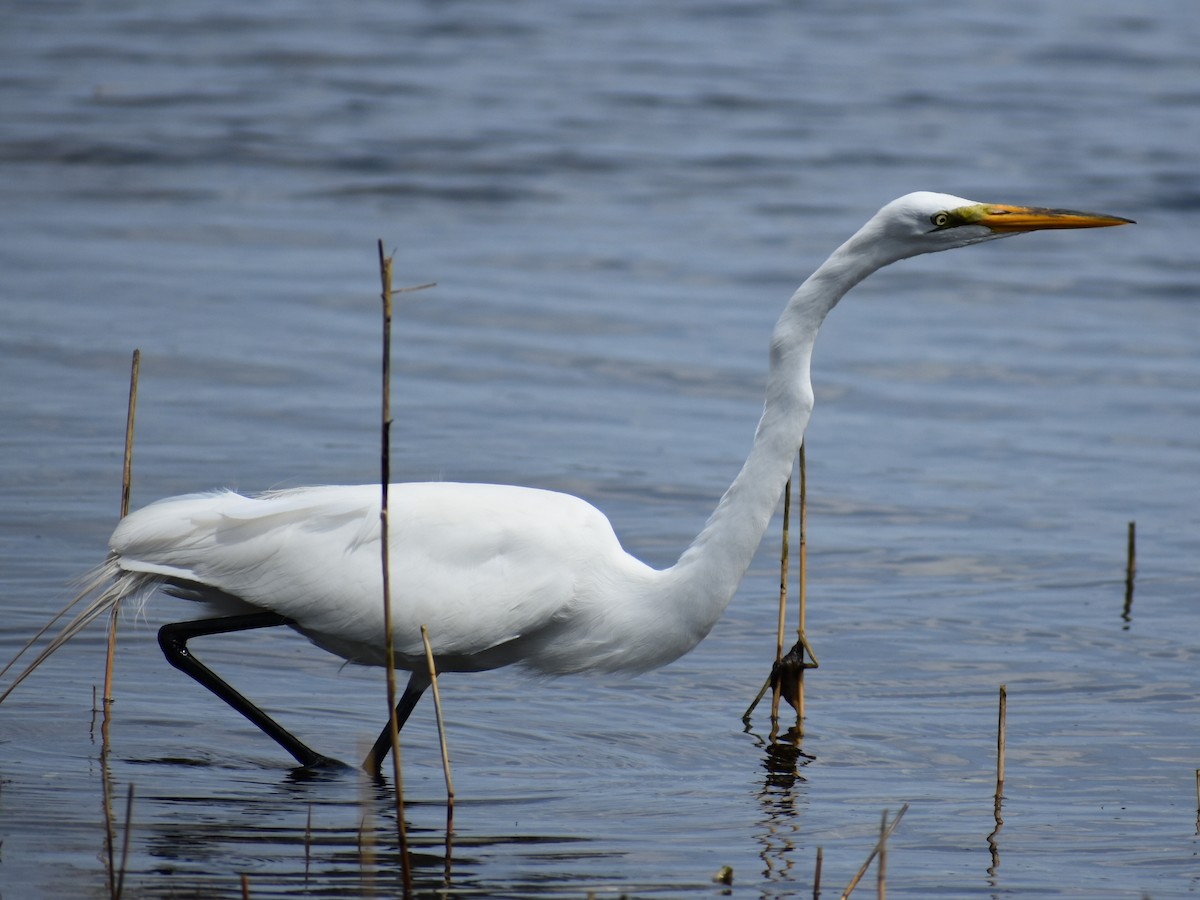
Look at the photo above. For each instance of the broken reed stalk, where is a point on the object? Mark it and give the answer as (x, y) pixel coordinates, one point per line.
(385, 277)
(126, 472)
(762, 691)
(1130, 569)
(437, 710)
(875, 852)
(817, 875)
(783, 587)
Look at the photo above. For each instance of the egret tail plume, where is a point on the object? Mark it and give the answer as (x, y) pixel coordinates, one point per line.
(106, 585)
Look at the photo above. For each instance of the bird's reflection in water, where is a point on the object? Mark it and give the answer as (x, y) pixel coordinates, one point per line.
(781, 797)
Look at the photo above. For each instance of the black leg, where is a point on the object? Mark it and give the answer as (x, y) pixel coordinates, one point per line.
(173, 640)
(417, 682)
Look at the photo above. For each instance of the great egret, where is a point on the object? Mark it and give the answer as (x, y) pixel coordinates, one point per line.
(506, 575)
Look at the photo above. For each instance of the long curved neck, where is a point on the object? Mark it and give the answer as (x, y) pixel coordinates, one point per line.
(708, 573)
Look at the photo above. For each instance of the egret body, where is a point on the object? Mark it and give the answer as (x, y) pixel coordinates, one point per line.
(504, 575)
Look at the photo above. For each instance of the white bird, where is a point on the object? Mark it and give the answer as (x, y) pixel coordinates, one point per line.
(504, 575)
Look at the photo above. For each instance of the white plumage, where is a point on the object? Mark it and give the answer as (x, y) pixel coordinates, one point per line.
(498, 574)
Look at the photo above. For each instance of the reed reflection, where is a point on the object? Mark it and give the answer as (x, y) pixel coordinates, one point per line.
(781, 798)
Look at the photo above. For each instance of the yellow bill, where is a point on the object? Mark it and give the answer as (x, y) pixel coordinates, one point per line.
(1003, 218)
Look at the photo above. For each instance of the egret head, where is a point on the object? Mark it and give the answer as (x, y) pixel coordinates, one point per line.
(925, 222)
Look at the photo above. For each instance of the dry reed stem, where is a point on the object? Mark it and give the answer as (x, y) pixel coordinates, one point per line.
(245, 886)
(126, 480)
(130, 414)
(998, 799)
(817, 875)
(802, 591)
(881, 869)
(783, 587)
(814, 662)
(874, 852)
(385, 277)
(1130, 569)
(116, 878)
(757, 699)
(437, 710)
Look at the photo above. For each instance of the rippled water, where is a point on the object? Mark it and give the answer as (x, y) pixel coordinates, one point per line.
(616, 200)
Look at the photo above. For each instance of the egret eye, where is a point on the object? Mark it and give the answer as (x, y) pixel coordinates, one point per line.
(940, 220)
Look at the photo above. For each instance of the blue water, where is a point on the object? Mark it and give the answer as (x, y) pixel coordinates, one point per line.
(615, 201)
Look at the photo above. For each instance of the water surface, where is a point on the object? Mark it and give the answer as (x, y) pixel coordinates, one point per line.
(616, 200)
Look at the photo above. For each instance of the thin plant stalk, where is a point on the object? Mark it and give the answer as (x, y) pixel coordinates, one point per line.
(783, 588)
(762, 691)
(772, 680)
(817, 875)
(993, 839)
(875, 852)
(1130, 569)
(115, 877)
(130, 414)
(437, 709)
(881, 869)
(126, 480)
(802, 589)
(385, 276)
